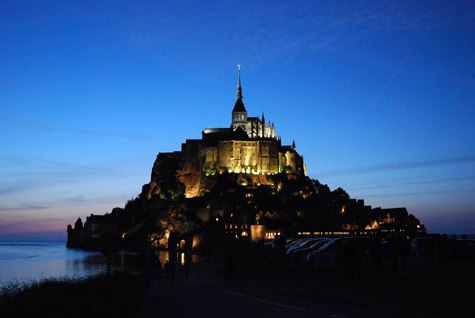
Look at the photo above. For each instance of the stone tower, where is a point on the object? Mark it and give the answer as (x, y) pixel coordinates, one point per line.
(239, 113)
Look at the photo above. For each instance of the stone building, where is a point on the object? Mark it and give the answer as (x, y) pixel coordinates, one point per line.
(249, 146)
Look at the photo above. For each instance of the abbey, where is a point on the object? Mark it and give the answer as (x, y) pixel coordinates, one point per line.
(239, 182)
(249, 146)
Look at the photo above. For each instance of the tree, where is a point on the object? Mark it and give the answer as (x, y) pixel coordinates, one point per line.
(340, 195)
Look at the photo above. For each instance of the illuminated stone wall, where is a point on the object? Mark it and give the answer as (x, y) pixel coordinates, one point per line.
(249, 156)
(191, 157)
(249, 146)
(256, 128)
(253, 157)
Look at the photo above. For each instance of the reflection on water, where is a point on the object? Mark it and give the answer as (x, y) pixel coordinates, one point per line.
(127, 261)
(164, 256)
(134, 262)
(89, 265)
(27, 261)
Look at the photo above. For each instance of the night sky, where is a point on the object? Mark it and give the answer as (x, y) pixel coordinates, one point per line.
(379, 97)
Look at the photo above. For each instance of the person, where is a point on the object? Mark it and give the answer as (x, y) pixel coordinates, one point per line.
(399, 249)
(351, 258)
(375, 254)
(186, 270)
(229, 267)
(153, 273)
(172, 265)
(279, 244)
(167, 268)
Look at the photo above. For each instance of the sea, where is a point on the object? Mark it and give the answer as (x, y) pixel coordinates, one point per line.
(23, 262)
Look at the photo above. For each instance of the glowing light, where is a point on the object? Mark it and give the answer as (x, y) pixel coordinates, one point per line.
(182, 258)
(258, 232)
(196, 241)
(374, 225)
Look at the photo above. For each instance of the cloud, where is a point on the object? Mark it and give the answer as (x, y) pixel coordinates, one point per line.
(398, 184)
(79, 198)
(274, 30)
(33, 207)
(36, 164)
(20, 174)
(414, 193)
(400, 166)
(97, 133)
(351, 21)
(10, 190)
(104, 199)
(31, 124)
(33, 225)
(22, 207)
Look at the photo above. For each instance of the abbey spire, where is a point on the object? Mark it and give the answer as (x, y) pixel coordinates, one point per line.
(239, 105)
(239, 113)
(239, 89)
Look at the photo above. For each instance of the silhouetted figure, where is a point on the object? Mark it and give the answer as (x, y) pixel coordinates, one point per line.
(376, 255)
(173, 240)
(187, 265)
(172, 265)
(153, 273)
(279, 244)
(398, 252)
(186, 270)
(167, 268)
(442, 250)
(229, 267)
(350, 259)
(108, 248)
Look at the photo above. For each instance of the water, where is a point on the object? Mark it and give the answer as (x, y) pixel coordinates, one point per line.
(27, 261)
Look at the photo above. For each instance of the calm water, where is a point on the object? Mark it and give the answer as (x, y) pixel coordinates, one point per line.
(26, 261)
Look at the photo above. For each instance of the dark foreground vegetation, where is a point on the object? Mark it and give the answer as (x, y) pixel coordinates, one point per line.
(235, 278)
(118, 295)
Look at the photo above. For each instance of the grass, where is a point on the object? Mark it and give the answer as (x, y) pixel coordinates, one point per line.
(119, 295)
(424, 289)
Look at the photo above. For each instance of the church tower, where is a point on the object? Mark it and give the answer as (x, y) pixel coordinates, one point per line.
(239, 114)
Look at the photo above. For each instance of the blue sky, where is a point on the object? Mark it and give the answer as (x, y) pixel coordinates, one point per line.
(379, 97)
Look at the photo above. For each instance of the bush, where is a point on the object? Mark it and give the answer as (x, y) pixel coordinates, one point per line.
(114, 296)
